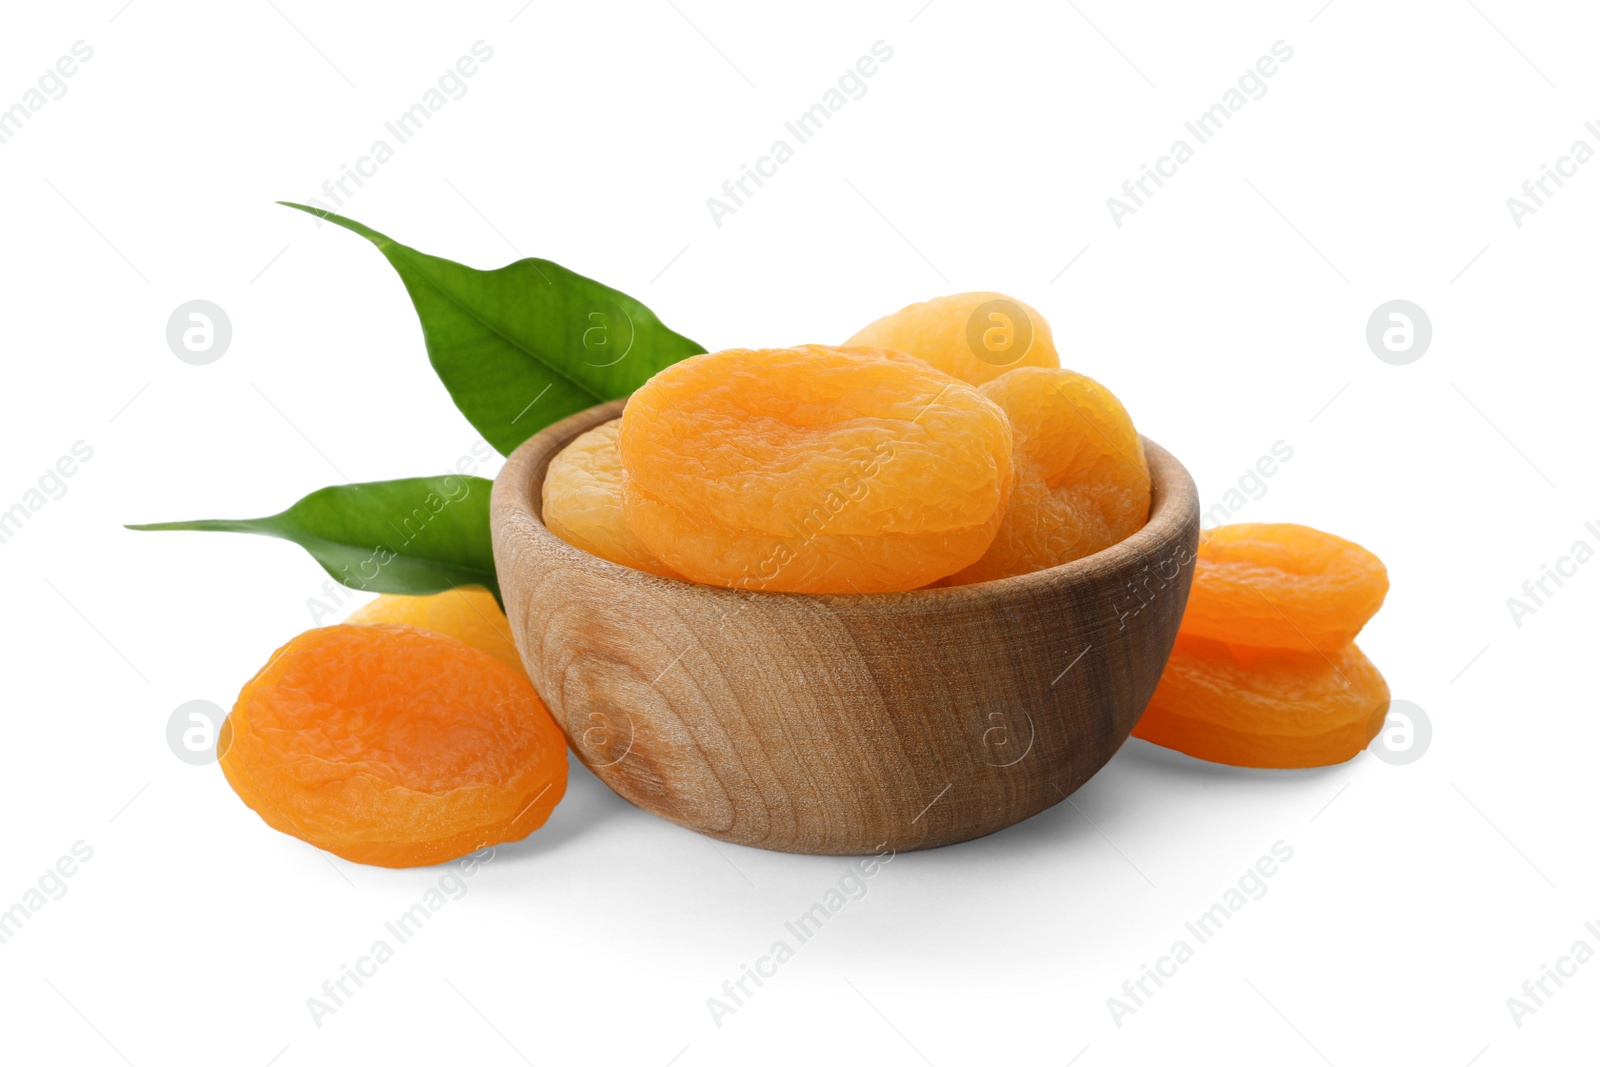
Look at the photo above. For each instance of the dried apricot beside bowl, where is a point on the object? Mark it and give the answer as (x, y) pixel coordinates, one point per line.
(1281, 585)
(470, 615)
(1265, 707)
(393, 746)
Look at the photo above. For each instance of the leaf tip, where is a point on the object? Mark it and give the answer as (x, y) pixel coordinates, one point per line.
(322, 214)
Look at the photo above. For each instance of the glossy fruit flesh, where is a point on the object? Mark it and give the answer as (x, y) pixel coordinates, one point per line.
(393, 746)
(1082, 483)
(469, 615)
(975, 337)
(1279, 585)
(814, 470)
(583, 501)
(1265, 707)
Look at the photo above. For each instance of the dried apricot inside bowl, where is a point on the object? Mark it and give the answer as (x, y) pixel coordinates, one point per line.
(827, 724)
(583, 501)
(813, 470)
(972, 336)
(1082, 483)
(393, 746)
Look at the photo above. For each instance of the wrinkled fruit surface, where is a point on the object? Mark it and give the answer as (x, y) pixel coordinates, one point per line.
(1265, 707)
(1278, 585)
(393, 746)
(972, 336)
(1082, 483)
(583, 501)
(469, 615)
(813, 470)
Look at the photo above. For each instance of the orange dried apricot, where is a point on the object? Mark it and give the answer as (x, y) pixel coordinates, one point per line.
(393, 746)
(813, 470)
(1082, 483)
(1279, 585)
(470, 615)
(972, 336)
(1265, 707)
(583, 501)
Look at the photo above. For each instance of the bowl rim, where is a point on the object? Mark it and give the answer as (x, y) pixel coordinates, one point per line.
(1175, 505)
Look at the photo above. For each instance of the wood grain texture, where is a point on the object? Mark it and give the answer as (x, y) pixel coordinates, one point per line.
(839, 724)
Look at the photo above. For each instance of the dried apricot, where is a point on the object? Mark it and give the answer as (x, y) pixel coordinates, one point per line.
(813, 470)
(1265, 707)
(393, 746)
(1279, 585)
(470, 615)
(1082, 483)
(972, 336)
(583, 501)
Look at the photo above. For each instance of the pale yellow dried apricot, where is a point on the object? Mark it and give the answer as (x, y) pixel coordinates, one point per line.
(1082, 483)
(470, 615)
(972, 336)
(583, 501)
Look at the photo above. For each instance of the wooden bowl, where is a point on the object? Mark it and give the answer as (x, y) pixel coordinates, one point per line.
(840, 724)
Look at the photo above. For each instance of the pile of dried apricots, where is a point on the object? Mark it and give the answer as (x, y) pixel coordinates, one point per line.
(891, 462)
(1265, 672)
(941, 445)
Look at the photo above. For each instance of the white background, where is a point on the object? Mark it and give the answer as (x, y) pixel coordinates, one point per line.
(1228, 313)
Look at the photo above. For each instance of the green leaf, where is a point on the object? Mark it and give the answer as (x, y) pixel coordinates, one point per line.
(413, 535)
(528, 344)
